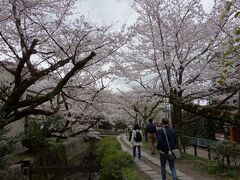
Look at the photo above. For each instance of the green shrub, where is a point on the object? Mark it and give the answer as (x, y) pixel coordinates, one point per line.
(6, 147)
(115, 163)
(211, 167)
(37, 131)
(130, 173)
(226, 151)
(107, 145)
(52, 156)
(36, 139)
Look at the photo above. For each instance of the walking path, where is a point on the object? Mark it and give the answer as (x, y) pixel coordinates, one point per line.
(201, 152)
(148, 164)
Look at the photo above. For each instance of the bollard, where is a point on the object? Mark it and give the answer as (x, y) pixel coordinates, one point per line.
(195, 149)
(26, 164)
(26, 173)
(228, 161)
(209, 152)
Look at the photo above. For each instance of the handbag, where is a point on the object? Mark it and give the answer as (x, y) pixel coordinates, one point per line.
(174, 153)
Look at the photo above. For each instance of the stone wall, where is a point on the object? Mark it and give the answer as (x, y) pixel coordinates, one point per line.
(15, 128)
(74, 147)
(59, 154)
(66, 150)
(15, 172)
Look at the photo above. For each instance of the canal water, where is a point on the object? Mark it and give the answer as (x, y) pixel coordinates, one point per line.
(75, 176)
(74, 170)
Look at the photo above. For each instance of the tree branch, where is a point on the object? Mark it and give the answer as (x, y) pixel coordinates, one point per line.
(208, 112)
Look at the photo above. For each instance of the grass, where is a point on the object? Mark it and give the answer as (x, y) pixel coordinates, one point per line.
(200, 163)
(210, 167)
(116, 164)
(134, 173)
(61, 141)
(145, 145)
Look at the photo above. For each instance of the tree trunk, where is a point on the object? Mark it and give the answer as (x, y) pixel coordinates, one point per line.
(176, 116)
(176, 111)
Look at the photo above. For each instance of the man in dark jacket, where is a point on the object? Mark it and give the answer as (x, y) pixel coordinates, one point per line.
(150, 134)
(162, 146)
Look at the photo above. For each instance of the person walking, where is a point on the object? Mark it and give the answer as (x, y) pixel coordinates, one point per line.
(162, 146)
(137, 140)
(130, 133)
(150, 135)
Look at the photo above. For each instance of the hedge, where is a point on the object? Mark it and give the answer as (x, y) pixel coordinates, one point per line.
(115, 164)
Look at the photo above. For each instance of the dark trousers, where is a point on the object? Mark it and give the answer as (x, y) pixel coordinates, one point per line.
(139, 151)
(163, 160)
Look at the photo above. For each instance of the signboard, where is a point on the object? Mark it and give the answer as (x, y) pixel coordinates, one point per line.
(219, 136)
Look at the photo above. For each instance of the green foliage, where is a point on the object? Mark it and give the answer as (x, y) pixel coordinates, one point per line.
(120, 125)
(211, 167)
(207, 166)
(130, 173)
(105, 125)
(230, 5)
(60, 141)
(6, 147)
(52, 156)
(54, 121)
(230, 55)
(226, 152)
(115, 163)
(6, 143)
(36, 139)
(201, 127)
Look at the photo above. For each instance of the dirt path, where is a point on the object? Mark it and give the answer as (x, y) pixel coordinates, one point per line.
(190, 169)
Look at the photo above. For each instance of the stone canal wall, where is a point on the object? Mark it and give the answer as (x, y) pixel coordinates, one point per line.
(57, 155)
(75, 147)
(15, 172)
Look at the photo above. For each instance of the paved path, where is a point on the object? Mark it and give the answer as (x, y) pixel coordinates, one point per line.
(201, 152)
(149, 163)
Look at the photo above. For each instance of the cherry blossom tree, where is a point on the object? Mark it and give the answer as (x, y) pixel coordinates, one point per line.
(175, 53)
(41, 41)
(79, 113)
(225, 83)
(139, 106)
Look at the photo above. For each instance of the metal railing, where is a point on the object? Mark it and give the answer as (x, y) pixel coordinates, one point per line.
(200, 142)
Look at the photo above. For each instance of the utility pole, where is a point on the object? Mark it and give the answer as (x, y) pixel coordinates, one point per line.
(239, 101)
(238, 129)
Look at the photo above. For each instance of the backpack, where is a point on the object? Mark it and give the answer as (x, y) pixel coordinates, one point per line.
(151, 128)
(138, 137)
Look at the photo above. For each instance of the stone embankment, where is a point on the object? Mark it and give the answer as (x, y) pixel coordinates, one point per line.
(67, 151)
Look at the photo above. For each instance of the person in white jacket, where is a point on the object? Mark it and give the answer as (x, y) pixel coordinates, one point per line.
(136, 140)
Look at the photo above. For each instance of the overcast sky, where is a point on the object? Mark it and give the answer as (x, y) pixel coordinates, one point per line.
(107, 12)
(114, 11)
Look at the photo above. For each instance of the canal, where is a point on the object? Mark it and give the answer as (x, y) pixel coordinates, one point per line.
(84, 166)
